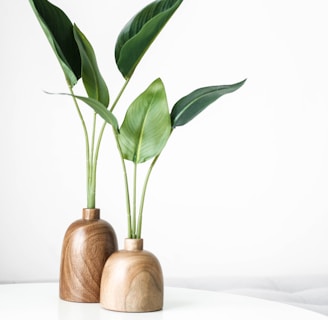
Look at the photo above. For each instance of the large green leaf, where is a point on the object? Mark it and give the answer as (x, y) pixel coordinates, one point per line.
(146, 126)
(192, 104)
(93, 81)
(138, 34)
(59, 31)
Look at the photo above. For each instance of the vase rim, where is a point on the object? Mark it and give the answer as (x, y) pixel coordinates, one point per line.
(91, 214)
(133, 244)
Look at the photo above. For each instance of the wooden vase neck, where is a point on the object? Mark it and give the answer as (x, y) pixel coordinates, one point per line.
(133, 244)
(90, 214)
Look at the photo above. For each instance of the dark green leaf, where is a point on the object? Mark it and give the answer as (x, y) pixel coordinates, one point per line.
(138, 34)
(93, 82)
(59, 31)
(146, 126)
(192, 104)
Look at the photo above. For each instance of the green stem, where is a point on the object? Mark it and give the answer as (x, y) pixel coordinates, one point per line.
(90, 203)
(93, 136)
(126, 183)
(143, 195)
(93, 157)
(105, 123)
(134, 212)
(119, 95)
(94, 161)
(93, 166)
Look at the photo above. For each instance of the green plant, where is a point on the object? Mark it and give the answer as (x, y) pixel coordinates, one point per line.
(148, 123)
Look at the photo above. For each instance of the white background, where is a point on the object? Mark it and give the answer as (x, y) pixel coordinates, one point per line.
(240, 191)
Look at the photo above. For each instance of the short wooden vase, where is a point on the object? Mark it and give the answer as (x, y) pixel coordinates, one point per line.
(87, 244)
(132, 280)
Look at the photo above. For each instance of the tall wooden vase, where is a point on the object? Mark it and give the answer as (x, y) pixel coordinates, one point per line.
(132, 280)
(87, 244)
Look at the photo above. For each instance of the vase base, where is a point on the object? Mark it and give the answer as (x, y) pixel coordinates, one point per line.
(132, 280)
(87, 244)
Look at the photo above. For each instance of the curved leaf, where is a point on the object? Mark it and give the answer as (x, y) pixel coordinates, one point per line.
(59, 31)
(146, 126)
(93, 82)
(100, 109)
(192, 104)
(138, 34)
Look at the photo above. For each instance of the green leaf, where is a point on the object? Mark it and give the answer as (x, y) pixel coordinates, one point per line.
(102, 110)
(192, 104)
(98, 107)
(59, 31)
(146, 126)
(139, 33)
(93, 82)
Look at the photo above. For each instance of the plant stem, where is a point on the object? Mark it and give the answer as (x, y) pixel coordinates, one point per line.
(143, 195)
(105, 123)
(94, 162)
(119, 95)
(126, 183)
(90, 199)
(93, 136)
(134, 213)
(131, 232)
(93, 155)
(92, 166)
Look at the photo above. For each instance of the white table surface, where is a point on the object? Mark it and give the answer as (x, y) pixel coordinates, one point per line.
(41, 301)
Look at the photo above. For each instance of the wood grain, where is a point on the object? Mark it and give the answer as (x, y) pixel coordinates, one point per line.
(132, 280)
(87, 244)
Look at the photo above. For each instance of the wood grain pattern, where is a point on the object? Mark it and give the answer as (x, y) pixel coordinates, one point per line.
(132, 280)
(87, 244)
